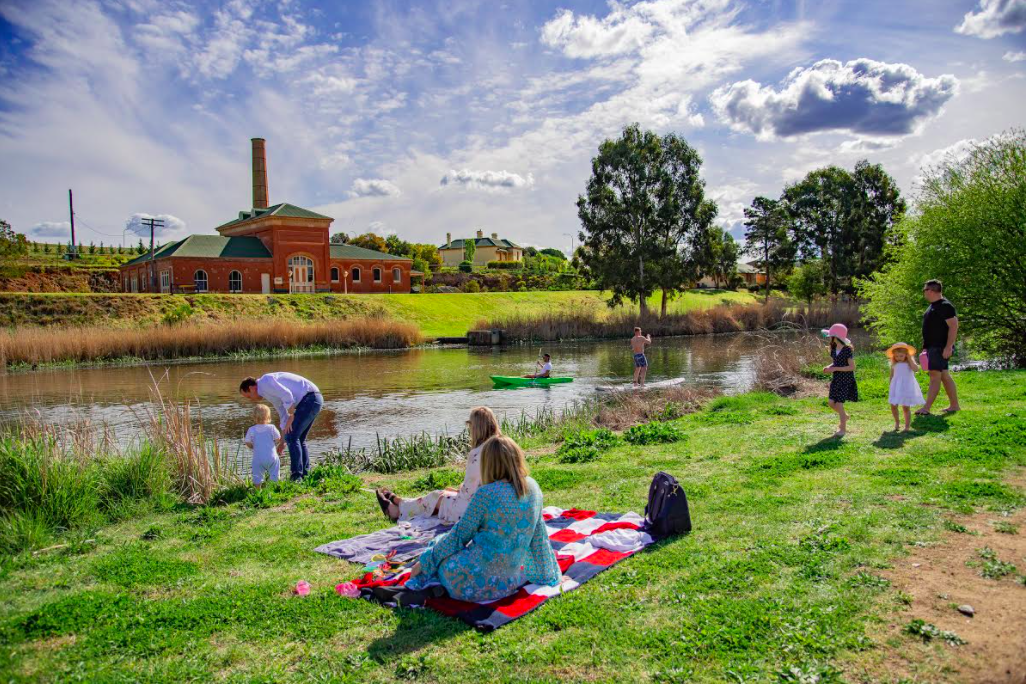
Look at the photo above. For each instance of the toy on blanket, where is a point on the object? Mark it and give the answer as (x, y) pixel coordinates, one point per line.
(348, 590)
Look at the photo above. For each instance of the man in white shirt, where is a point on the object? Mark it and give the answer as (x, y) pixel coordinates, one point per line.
(297, 401)
(544, 369)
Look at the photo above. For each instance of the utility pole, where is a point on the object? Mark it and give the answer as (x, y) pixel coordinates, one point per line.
(72, 253)
(152, 223)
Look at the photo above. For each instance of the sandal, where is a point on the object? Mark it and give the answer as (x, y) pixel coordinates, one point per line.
(921, 412)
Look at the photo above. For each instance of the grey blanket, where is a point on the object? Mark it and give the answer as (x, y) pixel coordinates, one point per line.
(409, 539)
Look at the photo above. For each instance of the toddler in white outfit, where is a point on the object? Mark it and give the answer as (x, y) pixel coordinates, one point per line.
(905, 391)
(264, 438)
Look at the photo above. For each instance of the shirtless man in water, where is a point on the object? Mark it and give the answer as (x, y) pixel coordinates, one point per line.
(638, 344)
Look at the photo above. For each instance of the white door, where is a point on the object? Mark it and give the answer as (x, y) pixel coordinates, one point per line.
(301, 274)
(265, 283)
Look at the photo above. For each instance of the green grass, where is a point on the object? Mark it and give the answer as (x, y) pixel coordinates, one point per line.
(778, 582)
(437, 315)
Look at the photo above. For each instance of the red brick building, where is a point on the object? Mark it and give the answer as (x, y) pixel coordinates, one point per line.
(278, 249)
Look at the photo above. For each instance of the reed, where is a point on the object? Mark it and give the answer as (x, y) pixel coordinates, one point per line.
(588, 324)
(32, 346)
(627, 408)
(783, 368)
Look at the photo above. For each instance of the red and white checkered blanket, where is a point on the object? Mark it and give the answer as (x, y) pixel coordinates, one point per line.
(580, 556)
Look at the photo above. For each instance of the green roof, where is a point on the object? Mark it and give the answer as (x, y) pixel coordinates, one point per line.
(482, 242)
(209, 246)
(354, 252)
(283, 209)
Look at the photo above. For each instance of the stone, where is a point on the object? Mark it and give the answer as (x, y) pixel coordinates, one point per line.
(967, 610)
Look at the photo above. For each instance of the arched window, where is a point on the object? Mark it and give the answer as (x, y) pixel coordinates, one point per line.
(356, 274)
(301, 274)
(377, 274)
(334, 274)
(397, 275)
(235, 282)
(200, 279)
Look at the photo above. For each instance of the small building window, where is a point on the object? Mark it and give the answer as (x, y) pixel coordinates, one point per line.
(235, 282)
(356, 274)
(377, 275)
(200, 279)
(397, 275)
(334, 274)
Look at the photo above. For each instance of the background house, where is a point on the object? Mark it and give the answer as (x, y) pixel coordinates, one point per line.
(281, 249)
(750, 274)
(486, 249)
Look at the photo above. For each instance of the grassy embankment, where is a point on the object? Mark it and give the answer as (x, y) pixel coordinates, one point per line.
(782, 580)
(219, 325)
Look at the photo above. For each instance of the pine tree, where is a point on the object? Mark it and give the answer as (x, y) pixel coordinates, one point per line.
(46, 248)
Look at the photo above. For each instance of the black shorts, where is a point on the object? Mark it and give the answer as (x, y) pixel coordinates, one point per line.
(935, 359)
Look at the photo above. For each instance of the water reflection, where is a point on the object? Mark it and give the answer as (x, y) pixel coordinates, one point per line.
(376, 393)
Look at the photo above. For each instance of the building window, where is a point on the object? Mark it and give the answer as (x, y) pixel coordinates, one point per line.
(135, 283)
(235, 282)
(200, 279)
(356, 274)
(397, 275)
(334, 274)
(377, 275)
(165, 281)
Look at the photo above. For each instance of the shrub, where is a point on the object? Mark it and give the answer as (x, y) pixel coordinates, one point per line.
(654, 433)
(578, 454)
(178, 315)
(466, 267)
(472, 286)
(506, 265)
(438, 479)
(133, 478)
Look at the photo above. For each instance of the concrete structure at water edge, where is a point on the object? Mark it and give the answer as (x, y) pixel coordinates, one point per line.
(486, 249)
(280, 248)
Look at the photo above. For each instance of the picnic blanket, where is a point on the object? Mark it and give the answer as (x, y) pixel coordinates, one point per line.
(585, 542)
(407, 539)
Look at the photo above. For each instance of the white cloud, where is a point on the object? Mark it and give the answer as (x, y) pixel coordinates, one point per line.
(374, 187)
(487, 180)
(864, 145)
(585, 36)
(173, 226)
(860, 96)
(60, 230)
(994, 18)
(1014, 56)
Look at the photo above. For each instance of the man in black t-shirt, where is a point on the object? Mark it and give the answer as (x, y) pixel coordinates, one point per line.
(940, 327)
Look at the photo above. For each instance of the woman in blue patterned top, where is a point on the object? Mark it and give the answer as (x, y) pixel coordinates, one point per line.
(504, 521)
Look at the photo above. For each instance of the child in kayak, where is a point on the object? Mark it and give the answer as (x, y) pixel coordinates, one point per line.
(544, 369)
(638, 344)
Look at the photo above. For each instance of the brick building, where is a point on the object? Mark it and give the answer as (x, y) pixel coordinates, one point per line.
(268, 249)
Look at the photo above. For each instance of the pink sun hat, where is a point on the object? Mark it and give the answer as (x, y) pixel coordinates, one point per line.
(838, 330)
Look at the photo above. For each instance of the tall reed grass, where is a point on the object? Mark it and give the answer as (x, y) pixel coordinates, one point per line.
(568, 325)
(83, 344)
(783, 368)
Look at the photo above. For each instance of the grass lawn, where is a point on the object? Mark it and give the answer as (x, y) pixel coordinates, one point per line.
(780, 581)
(438, 315)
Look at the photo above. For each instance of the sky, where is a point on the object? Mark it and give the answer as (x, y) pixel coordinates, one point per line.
(451, 116)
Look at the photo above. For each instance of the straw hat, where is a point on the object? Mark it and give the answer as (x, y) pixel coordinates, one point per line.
(901, 345)
(838, 330)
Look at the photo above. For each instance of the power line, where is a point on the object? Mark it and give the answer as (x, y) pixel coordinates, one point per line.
(152, 224)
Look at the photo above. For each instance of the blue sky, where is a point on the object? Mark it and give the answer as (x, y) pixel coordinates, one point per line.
(422, 118)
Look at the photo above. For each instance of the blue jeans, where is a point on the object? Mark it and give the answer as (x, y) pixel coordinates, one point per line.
(302, 420)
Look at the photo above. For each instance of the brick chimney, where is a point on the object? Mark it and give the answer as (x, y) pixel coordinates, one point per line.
(448, 239)
(480, 233)
(495, 236)
(259, 174)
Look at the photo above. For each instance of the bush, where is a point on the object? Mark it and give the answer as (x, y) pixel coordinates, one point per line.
(655, 432)
(506, 265)
(584, 446)
(466, 267)
(578, 454)
(472, 286)
(967, 231)
(178, 315)
(438, 479)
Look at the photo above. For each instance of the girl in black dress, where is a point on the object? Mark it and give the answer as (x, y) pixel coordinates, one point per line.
(842, 373)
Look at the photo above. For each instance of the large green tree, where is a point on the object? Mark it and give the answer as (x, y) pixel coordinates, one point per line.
(12, 244)
(968, 229)
(843, 218)
(642, 215)
(766, 237)
(369, 241)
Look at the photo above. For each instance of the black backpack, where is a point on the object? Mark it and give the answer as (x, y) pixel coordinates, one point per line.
(667, 511)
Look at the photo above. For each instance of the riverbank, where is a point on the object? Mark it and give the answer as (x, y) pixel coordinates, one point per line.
(437, 315)
(799, 567)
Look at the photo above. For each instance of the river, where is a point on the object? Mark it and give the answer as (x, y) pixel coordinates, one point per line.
(372, 393)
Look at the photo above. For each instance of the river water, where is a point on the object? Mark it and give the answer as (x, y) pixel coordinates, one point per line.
(373, 393)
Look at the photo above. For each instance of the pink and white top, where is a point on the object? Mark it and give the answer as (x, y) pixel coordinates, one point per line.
(452, 507)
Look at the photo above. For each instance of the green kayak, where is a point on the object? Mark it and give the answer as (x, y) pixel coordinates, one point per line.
(513, 381)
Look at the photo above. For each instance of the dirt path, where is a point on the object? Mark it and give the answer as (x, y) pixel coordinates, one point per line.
(935, 581)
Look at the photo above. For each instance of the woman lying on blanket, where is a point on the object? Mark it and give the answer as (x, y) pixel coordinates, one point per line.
(504, 521)
(447, 504)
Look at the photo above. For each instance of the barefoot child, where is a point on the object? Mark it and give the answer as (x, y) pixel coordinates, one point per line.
(264, 438)
(905, 391)
(842, 373)
(638, 344)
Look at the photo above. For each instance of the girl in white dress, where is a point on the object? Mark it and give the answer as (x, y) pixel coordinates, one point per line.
(905, 391)
(447, 504)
